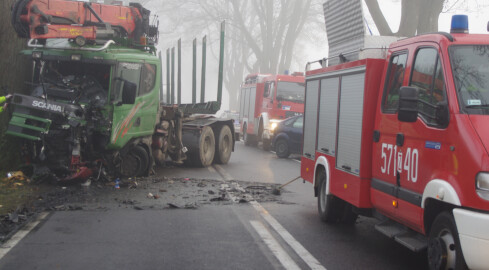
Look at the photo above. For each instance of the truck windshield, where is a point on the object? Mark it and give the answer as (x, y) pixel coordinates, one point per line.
(470, 66)
(72, 81)
(290, 91)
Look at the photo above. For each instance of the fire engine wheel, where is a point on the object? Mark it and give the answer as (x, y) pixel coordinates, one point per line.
(266, 144)
(207, 148)
(444, 250)
(327, 203)
(224, 146)
(282, 148)
(248, 139)
(135, 162)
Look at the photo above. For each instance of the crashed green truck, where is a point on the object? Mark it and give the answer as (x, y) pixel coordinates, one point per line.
(95, 111)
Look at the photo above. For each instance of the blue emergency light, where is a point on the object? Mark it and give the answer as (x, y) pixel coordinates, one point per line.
(460, 24)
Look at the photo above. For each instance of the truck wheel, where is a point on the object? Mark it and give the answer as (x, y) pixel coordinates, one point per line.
(224, 146)
(207, 148)
(444, 250)
(267, 144)
(135, 162)
(282, 149)
(327, 204)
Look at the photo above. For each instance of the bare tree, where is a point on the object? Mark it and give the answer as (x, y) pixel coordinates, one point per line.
(261, 35)
(417, 16)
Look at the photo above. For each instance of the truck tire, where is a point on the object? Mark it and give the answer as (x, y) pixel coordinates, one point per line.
(224, 145)
(207, 148)
(327, 204)
(282, 148)
(444, 250)
(135, 162)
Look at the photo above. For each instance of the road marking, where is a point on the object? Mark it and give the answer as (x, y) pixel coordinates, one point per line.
(211, 169)
(305, 255)
(7, 246)
(312, 262)
(223, 172)
(274, 246)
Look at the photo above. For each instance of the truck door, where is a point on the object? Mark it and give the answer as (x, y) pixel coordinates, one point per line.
(412, 154)
(138, 119)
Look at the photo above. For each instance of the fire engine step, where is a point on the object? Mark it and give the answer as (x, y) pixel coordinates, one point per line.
(414, 241)
(403, 235)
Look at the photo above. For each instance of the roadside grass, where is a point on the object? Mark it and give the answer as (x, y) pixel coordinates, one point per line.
(13, 197)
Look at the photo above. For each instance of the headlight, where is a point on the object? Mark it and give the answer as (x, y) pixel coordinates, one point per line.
(273, 126)
(482, 185)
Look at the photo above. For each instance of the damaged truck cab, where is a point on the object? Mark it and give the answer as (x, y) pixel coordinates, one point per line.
(94, 103)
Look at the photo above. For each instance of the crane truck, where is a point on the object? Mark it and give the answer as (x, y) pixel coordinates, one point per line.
(94, 99)
(400, 135)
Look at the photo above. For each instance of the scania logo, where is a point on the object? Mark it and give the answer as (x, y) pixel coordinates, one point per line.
(47, 106)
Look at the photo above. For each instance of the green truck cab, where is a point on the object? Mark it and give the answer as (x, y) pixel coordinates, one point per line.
(96, 110)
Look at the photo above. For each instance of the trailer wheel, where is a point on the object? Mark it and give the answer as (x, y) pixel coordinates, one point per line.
(444, 250)
(327, 203)
(207, 148)
(282, 149)
(135, 162)
(224, 145)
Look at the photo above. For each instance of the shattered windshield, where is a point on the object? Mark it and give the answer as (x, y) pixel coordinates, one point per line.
(470, 65)
(73, 81)
(290, 91)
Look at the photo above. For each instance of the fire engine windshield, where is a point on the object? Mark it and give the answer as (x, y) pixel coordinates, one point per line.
(470, 66)
(290, 91)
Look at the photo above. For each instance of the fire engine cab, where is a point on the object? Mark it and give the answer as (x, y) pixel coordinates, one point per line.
(265, 100)
(403, 137)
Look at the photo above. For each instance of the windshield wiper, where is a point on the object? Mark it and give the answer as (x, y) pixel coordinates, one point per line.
(481, 106)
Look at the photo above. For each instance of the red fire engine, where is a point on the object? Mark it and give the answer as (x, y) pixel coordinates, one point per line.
(265, 100)
(403, 138)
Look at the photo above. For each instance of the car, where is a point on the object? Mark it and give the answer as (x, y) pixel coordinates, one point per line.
(287, 138)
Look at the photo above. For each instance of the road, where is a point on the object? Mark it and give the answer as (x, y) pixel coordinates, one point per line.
(282, 233)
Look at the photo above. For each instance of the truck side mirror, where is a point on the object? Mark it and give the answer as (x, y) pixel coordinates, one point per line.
(408, 104)
(129, 91)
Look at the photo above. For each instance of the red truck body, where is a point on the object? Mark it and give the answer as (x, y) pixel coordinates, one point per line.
(266, 99)
(417, 175)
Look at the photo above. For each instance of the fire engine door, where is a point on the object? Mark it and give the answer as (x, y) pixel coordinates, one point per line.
(410, 153)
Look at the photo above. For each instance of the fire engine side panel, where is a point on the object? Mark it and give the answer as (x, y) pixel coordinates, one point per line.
(251, 110)
(328, 115)
(242, 97)
(246, 107)
(350, 123)
(310, 119)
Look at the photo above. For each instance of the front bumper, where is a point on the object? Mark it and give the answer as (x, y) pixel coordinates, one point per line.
(473, 230)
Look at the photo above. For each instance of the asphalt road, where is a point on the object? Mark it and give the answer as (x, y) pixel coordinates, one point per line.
(273, 233)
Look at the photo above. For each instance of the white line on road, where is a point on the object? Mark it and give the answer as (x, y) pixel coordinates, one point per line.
(274, 246)
(223, 173)
(211, 169)
(6, 247)
(312, 262)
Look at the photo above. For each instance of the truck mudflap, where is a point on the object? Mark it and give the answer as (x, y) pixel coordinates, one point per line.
(473, 231)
